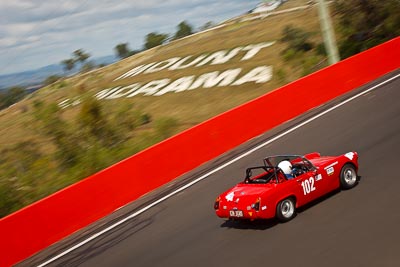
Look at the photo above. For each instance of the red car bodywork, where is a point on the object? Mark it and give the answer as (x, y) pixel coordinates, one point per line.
(248, 200)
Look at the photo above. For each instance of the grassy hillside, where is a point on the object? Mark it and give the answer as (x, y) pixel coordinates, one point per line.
(30, 145)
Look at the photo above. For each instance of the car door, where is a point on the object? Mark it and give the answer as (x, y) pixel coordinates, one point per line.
(307, 187)
(301, 186)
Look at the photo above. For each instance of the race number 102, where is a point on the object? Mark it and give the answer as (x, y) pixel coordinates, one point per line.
(308, 185)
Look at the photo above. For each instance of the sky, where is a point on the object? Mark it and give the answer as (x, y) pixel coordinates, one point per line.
(36, 33)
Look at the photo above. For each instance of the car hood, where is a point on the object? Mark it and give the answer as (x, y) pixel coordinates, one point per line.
(322, 161)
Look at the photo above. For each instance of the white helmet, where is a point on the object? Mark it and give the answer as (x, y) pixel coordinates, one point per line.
(285, 166)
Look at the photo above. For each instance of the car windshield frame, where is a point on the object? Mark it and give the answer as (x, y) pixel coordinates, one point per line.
(250, 178)
(271, 160)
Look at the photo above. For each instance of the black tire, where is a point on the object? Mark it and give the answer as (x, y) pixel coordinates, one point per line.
(286, 210)
(348, 176)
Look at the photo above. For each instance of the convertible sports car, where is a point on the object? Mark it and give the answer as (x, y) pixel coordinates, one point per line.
(285, 183)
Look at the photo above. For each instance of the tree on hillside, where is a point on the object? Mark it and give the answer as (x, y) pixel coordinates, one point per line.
(296, 38)
(155, 39)
(51, 79)
(122, 50)
(51, 124)
(11, 96)
(68, 64)
(21, 168)
(184, 29)
(127, 118)
(165, 126)
(366, 23)
(94, 123)
(80, 55)
(88, 66)
(9, 201)
(207, 26)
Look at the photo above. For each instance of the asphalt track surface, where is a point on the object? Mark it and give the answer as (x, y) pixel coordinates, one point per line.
(358, 227)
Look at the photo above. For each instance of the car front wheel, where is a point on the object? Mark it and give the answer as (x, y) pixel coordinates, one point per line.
(348, 176)
(286, 210)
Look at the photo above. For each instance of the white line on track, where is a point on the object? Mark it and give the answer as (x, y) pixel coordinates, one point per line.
(133, 215)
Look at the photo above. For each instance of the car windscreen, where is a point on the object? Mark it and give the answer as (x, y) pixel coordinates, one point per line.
(260, 175)
(295, 160)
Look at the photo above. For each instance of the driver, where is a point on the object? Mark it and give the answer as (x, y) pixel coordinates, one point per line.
(286, 167)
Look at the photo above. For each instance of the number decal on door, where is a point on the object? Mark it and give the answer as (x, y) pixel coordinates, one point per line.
(308, 185)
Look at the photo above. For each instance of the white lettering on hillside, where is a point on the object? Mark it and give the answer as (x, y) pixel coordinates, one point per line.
(180, 64)
(151, 87)
(230, 77)
(216, 58)
(178, 85)
(162, 65)
(220, 57)
(253, 49)
(215, 79)
(135, 71)
(260, 74)
(124, 91)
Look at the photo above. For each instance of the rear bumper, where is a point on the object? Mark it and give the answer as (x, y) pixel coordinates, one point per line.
(245, 214)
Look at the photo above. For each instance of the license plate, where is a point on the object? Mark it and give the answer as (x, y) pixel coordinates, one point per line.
(236, 213)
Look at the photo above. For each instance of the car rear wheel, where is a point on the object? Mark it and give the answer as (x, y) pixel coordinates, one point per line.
(348, 176)
(286, 210)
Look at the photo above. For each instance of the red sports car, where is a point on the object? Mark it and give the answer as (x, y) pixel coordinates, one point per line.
(285, 183)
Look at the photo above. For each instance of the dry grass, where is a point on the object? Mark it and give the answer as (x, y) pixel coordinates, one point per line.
(189, 107)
